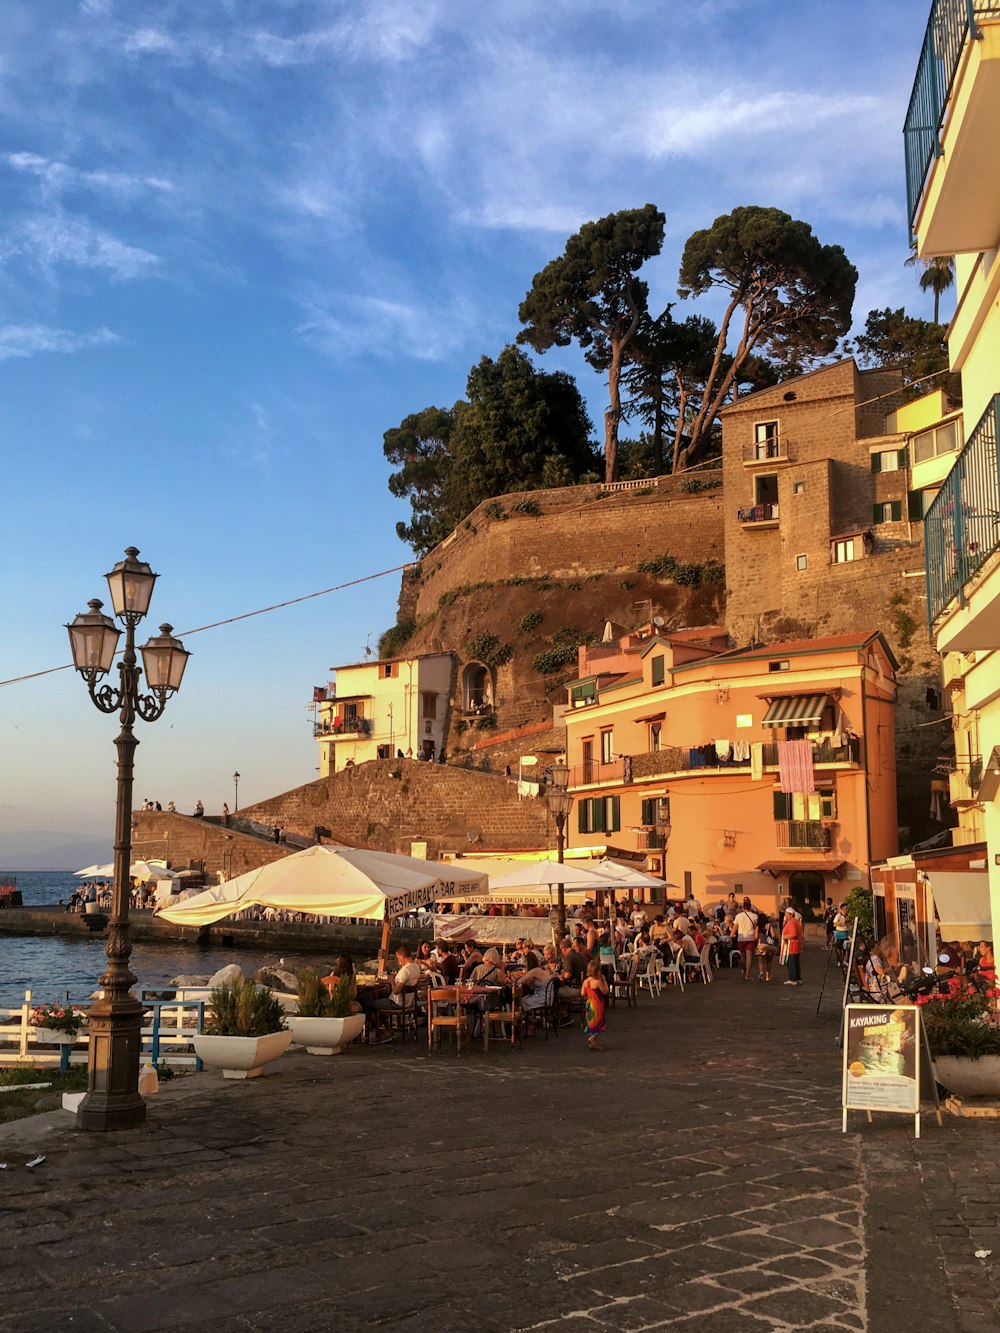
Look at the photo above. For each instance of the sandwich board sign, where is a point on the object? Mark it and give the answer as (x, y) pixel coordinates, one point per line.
(884, 1046)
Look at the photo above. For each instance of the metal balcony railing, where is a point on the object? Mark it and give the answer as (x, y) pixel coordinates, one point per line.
(962, 525)
(764, 451)
(824, 752)
(762, 513)
(951, 24)
(350, 726)
(807, 833)
(586, 775)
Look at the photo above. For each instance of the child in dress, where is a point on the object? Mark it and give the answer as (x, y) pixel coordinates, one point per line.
(593, 992)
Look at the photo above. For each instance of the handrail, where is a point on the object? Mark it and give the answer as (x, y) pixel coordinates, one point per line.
(962, 524)
(950, 25)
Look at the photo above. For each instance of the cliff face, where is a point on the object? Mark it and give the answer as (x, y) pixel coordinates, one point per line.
(530, 576)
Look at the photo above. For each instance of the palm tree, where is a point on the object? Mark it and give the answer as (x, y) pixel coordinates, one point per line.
(937, 277)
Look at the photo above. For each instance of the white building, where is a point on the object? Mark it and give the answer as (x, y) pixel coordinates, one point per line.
(377, 710)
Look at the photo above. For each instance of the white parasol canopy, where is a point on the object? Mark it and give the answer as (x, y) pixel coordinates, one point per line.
(533, 874)
(139, 869)
(329, 881)
(630, 877)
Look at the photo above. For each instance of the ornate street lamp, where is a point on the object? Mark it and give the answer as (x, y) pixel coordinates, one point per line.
(560, 804)
(236, 784)
(112, 1100)
(663, 834)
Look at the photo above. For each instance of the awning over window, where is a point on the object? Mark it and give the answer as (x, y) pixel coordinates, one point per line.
(802, 710)
(824, 865)
(962, 902)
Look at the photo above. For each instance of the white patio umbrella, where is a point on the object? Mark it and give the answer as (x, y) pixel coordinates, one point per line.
(535, 873)
(630, 877)
(139, 869)
(330, 881)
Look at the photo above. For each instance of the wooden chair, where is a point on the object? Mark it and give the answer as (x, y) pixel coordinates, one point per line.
(512, 1017)
(626, 984)
(405, 1015)
(444, 1011)
(548, 1014)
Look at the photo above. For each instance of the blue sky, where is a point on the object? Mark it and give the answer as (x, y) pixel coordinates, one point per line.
(240, 239)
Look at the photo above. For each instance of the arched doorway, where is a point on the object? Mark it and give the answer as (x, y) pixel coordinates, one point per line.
(477, 688)
(807, 890)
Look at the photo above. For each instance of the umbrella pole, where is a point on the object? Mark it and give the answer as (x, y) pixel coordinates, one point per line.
(383, 949)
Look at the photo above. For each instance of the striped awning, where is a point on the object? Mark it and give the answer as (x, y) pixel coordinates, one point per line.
(801, 710)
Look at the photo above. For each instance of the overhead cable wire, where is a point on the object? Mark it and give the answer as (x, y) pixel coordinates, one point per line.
(232, 620)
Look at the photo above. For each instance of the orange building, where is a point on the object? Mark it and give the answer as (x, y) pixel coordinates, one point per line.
(769, 770)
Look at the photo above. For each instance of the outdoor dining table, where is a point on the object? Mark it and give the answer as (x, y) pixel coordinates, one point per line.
(469, 997)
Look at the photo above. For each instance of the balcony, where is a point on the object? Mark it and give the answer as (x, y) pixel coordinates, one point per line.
(962, 531)
(964, 782)
(804, 833)
(595, 774)
(824, 752)
(348, 726)
(949, 136)
(762, 513)
(769, 451)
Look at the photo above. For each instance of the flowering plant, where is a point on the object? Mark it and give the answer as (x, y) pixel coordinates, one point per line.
(963, 1021)
(58, 1018)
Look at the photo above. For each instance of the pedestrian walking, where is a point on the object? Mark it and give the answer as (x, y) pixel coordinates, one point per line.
(593, 993)
(791, 946)
(745, 927)
(768, 946)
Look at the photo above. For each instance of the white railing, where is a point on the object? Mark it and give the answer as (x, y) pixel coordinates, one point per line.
(167, 1029)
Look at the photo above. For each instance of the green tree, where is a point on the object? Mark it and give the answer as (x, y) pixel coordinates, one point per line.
(894, 338)
(795, 296)
(420, 448)
(521, 428)
(591, 295)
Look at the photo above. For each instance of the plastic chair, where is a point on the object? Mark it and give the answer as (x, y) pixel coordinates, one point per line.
(673, 972)
(649, 973)
(704, 965)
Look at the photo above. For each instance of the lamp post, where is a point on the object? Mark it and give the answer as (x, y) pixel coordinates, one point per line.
(236, 784)
(560, 804)
(663, 836)
(112, 1100)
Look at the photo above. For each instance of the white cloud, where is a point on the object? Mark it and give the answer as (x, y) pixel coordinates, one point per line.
(384, 327)
(52, 240)
(60, 176)
(23, 340)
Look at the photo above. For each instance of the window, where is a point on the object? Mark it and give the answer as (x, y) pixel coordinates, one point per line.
(845, 550)
(765, 440)
(941, 440)
(581, 695)
(918, 503)
(659, 673)
(889, 460)
(890, 511)
(799, 488)
(600, 814)
(801, 562)
(804, 808)
(428, 703)
(654, 736)
(655, 809)
(607, 747)
(778, 666)
(388, 670)
(765, 489)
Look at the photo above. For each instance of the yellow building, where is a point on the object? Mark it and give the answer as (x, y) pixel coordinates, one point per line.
(377, 710)
(953, 189)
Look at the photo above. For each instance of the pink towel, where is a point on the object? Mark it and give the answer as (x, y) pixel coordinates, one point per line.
(795, 766)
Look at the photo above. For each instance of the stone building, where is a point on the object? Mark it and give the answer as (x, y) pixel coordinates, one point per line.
(824, 532)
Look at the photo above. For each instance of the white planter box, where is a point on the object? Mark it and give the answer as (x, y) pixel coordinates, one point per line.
(966, 1077)
(52, 1036)
(325, 1036)
(240, 1057)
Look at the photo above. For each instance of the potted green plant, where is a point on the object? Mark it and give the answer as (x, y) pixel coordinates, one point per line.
(244, 1031)
(963, 1032)
(324, 1022)
(57, 1023)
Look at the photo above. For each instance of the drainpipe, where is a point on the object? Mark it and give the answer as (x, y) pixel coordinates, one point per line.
(868, 808)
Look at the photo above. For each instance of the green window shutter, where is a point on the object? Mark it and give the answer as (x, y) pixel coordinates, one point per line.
(876, 513)
(658, 671)
(915, 506)
(649, 812)
(613, 821)
(581, 817)
(876, 462)
(895, 510)
(781, 805)
(597, 818)
(903, 458)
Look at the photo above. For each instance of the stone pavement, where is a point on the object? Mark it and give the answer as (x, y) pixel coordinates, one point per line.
(691, 1177)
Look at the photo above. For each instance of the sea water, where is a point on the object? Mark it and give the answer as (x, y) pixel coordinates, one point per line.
(50, 966)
